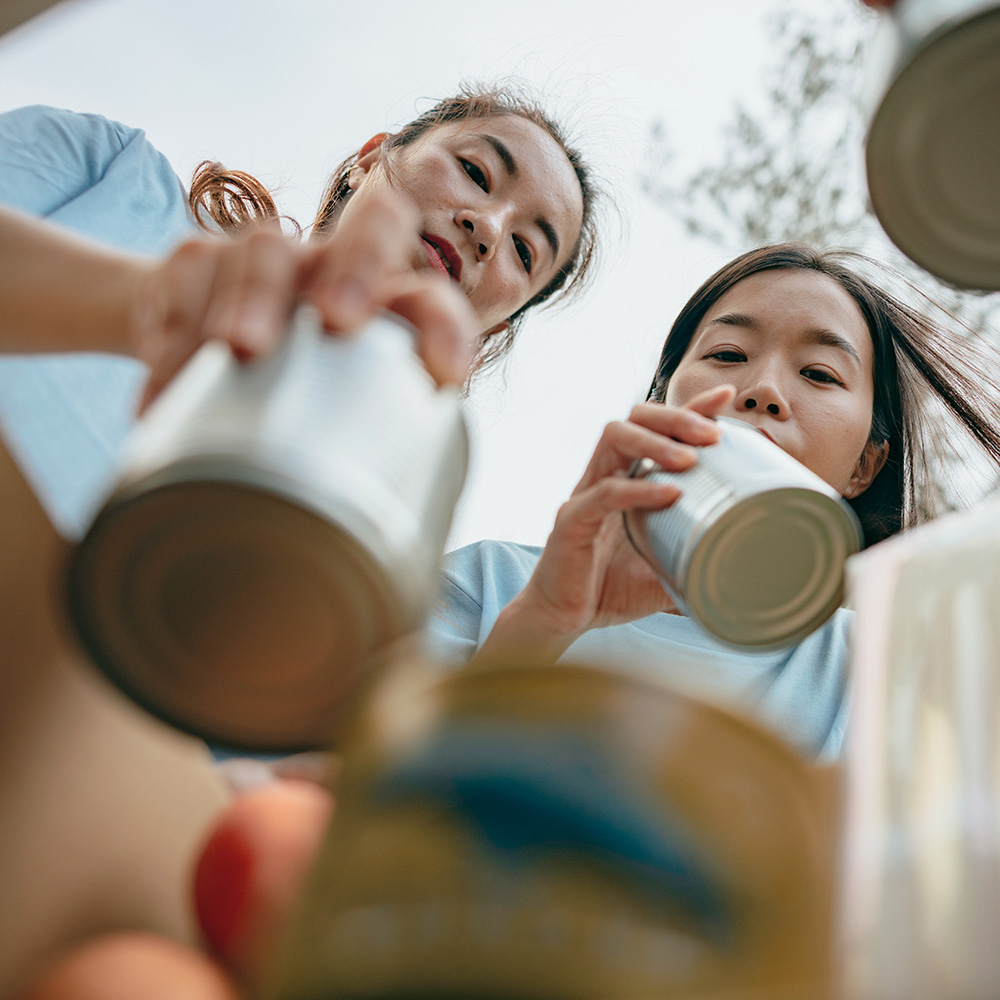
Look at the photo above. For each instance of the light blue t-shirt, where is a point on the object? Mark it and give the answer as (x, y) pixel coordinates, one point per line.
(800, 693)
(66, 417)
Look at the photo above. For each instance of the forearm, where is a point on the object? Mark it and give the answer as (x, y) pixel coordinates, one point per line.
(61, 293)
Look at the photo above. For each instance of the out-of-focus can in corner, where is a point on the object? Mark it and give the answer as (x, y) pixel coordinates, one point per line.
(755, 546)
(274, 526)
(933, 146)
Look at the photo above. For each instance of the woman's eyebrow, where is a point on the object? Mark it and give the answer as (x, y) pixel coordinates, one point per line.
(827, 338)
(549, 232)
(736, 319)
(506, 157)
(821, 336)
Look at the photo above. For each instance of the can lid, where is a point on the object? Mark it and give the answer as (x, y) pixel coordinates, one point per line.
(770, 570)
(231, 612)
(933, 151)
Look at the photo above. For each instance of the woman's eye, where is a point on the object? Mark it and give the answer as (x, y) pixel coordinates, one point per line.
(476, 174)
(524, 252)
(729, 356)
(821, 376)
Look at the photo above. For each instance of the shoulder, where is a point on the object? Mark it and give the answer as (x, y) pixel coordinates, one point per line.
(57, 138)
(94, 175)
(477, 583)
(489, 566)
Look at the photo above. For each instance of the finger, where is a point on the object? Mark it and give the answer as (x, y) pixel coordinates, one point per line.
(585, 512)
(625, 442)
(253, 293)
(446, 326)
(681, 423)
(319, 767)
(713, 401)
(252, 867)
(134, 964)
(168, 319)
(349, 270)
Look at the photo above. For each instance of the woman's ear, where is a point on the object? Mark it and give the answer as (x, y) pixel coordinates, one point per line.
(369, 154)
(873, 457)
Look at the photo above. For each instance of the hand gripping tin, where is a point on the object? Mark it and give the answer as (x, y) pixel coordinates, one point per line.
(274, 525)
(755, 546)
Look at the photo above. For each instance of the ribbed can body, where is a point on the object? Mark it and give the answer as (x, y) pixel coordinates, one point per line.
(274, 525)
(755, 546)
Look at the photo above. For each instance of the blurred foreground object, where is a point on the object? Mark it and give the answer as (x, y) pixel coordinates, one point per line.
(101, 807)
(532, 831)
(933, 148)
(274, 526)
(920, 913)
(15, 12)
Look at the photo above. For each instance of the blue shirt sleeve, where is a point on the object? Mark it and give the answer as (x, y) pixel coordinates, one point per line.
(98, 177)
(66, 417)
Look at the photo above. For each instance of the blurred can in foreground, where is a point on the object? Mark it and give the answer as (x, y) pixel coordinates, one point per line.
(274, 525)
(529, 831)
(933, 147)
(755, 546)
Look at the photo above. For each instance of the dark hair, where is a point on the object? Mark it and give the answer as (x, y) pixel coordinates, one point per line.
(233, 199)
(915, 364)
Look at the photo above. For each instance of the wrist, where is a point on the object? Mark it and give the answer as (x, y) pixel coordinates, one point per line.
(62, 293)
(524, 625)
(126, 291)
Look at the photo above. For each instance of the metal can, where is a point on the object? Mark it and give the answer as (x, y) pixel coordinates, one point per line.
(933, 143)
(274, 525)
(755, 546)
(536, 832)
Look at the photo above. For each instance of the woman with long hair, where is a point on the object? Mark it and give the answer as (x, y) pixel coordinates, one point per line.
(799, 344)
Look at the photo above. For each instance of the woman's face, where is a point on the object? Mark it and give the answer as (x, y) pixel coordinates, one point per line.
(796, 346)
(499, 203)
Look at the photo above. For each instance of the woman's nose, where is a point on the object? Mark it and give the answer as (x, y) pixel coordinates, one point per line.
(763, 396)
(483, 230)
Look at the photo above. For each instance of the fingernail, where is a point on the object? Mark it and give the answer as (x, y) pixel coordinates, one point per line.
(703, 424)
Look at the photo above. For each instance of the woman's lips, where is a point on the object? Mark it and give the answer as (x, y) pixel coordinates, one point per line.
(442, 256)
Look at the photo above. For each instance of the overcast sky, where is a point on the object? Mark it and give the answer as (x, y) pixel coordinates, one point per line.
(286, 90)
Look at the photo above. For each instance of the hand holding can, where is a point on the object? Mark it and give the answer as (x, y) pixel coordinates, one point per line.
(274, 526)
(754, 547)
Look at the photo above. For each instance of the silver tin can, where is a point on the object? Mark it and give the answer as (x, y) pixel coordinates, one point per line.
(755, 546)
(933, 146)
(274, 525)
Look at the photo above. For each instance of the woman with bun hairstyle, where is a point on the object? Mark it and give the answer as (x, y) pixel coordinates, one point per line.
(461, 222)
(482, 192)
